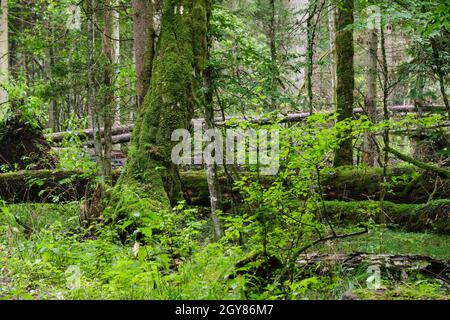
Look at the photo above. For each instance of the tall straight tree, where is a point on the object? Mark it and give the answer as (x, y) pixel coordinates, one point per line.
(104, 110)
(144, 30)
(215, 194)
(150, 179)
(4, 51)
(370, 100)
(332, 30)
(345, 81)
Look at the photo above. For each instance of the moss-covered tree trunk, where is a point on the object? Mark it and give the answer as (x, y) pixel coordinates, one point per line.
(145, 36)
(150, 180)
(345, 82)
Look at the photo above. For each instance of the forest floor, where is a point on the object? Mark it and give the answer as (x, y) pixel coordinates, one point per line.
(39, 265)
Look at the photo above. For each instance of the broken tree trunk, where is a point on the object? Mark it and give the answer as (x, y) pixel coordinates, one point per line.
(23, 146)
(85, 134)
(345, 78)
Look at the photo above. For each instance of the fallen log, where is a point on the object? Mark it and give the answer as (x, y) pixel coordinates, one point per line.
(56, 186)
(346, 184)
(126, 137)
(406, 184)
(325, 263)
(426, 166)
(432, 216)
(115, 139)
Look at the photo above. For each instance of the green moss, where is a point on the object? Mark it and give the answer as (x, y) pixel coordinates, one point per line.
(149, 175)
(345, 81)
(412, 217)
(405, 184)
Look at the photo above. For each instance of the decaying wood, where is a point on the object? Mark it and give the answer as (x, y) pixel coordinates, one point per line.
(426, 166)
(23, 146)
(341, 184)
(91, 209)
(431, 216)
(324, 263)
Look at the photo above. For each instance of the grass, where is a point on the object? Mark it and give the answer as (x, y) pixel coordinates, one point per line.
(35, 266)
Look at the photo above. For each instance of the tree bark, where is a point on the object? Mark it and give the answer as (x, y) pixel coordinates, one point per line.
(370, 100)
(332, 30)
(215, 194)
(425, 265)
(4, 50)
(345, 81)
(144, 44)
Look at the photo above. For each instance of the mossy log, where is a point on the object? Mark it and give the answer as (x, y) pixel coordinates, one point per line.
(338, 184)
(43, 186)
(406, 184)
(433, 216)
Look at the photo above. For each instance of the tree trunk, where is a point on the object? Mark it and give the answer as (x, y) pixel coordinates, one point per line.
(150, 181)
(144, 45)
(115, 43)
(296, 11)
(345, 82)
(440, 73)
(370, 101)
(215, 194)
(92, 87)
(332, 28)
(272, 35)
(108, 104)
(49, 60)
(4, 51)
(311, 31)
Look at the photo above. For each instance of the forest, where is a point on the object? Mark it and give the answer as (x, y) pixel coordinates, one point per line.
(224, 150)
